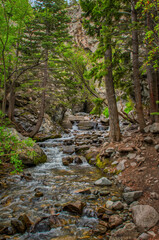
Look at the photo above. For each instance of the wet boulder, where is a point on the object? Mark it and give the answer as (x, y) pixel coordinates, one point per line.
(25, 220)
(21, 224)
(86, 125)
(18, 226)
(30, 154)
(67, 160)
(103, 182)
(79, 159)
(76, 207)
(45, 224)
(68, 149)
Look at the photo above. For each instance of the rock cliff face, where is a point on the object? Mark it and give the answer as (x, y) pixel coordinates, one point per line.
(77, 31)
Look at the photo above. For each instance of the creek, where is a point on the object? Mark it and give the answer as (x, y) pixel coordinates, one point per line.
(45, 189)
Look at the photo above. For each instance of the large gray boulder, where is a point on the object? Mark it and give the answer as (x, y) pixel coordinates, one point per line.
(145, 217)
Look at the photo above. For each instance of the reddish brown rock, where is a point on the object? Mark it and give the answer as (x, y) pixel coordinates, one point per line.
(114, 221)
(76, 207)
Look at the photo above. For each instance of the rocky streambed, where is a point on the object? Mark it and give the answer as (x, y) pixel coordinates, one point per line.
(66, 198)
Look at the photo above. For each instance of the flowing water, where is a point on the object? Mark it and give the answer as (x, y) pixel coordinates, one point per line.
(57, 186)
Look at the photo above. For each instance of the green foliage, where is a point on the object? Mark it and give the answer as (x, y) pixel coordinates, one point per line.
(129, 106)
(149, 9)
(99, 163)
(106, 112)
(97, 110)
(11, 146)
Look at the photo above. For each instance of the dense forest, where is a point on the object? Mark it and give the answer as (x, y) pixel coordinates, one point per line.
(79, 82)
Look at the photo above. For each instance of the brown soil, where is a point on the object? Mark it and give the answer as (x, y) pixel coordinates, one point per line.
(145, 175)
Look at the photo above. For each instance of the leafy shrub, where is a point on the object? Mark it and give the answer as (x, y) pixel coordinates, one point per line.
(106, 112)
(9, 144)
(98, 106)
(129, 106)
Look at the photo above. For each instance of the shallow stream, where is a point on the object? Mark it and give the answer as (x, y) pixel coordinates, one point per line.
(56, 185)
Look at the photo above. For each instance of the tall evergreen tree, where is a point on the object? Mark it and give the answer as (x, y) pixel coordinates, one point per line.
(50, 30)
(102, 18)
(136, 73)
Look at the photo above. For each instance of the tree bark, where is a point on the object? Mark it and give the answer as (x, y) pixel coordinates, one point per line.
(136, 74)
(114, 133)
(11, 102)
(42, 108)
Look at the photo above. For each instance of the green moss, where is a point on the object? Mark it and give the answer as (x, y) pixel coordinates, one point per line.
(44, 138)
(40, 159)
(99, 163)
(88, 156)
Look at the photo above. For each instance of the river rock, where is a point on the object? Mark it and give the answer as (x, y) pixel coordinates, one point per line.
(109, 204)
(125, 149)
(147, 129)
(154, 195)
(154, 128)
(157, 147)
(115, 220)
(86, 125)
(76, 207)
(130, 197)
(145, 217)
(67, 160)
(148, 140)
(103, 182)
(144, 236)
(18, 226)
(131, 155)
(46, 223)
(118, 205)
(108, 152)
(83, 191)
(68, 149)
(129, 230)
(39, 194)
(82, 148)
(100, 229)
(79, 159)
(104, 120)
(25, 220)
(121, 165)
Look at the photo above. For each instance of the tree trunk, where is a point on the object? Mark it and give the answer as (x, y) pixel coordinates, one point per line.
(11, 102)
(152, 80)
(42, 108)
(114, 134)
(4, 101)
(136, 74)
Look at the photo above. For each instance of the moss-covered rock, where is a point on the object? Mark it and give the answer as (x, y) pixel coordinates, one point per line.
(29, 152)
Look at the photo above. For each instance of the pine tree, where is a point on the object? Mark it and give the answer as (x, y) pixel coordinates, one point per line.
(103, 16)
(50, 31)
